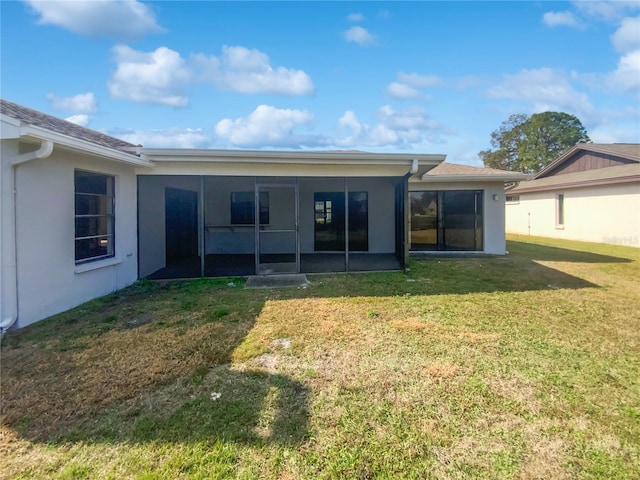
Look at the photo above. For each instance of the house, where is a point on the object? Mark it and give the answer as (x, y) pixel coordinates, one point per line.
(85, 214)
(590, 193)
(459, 208)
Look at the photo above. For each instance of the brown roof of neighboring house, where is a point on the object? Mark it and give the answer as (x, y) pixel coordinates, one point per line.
(39, 119)
(628, 151)
(446, 168)
(598, 176)
(455, 172)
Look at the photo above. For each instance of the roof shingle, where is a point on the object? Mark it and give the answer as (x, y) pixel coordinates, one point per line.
(597, 176)
(55, 124)
(446, 168)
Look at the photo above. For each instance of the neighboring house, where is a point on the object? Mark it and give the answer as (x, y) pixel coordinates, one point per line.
(590, 193)
(84, 214)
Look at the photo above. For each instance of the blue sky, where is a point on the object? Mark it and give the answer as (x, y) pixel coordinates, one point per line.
(425, 77)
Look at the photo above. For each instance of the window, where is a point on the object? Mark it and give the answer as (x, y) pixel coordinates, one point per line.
(243, 208)
(560, 211)
(514, 199)
(94, 216)
(447, 220)
(329, 211)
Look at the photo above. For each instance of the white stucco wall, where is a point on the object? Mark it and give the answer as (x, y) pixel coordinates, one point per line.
(494, 212)
(603, 214)
(48, 279)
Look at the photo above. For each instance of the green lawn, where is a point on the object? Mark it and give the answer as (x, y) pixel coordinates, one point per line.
(524, 366)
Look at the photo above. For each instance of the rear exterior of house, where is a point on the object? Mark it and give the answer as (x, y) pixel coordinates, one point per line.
(459, 208)
(68, 217)
(590, 193)
(85, 214)
(221, 212)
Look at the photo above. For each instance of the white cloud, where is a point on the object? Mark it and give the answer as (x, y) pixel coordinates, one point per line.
(244, 70)
(80, 119)
(627, 76)
(359, 35)
(402, 92)
(162, 77)
(607, 10)
(408, 84)
(355, 17)
(419, 81)
(268, 126)
(411, 118)
(545, 89)
(118, 19)
(158, 77)
(557, 19)
(627, 37)
(167, 138)
(397, 128)
(80, 103)
(616, 132)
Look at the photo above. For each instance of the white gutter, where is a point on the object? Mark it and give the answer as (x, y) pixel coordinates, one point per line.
(46, 147)
(320, 157)
(10, 271)
(84, 146)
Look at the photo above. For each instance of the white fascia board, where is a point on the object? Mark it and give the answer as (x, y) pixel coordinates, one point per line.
(38, 133)
(515, 177)
(9, 127)
(288, 157)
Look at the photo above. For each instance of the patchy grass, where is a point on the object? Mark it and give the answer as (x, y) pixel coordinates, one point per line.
(525, 366)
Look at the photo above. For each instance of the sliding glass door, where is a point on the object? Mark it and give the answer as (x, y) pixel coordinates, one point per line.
(449, 220)
(330, 222)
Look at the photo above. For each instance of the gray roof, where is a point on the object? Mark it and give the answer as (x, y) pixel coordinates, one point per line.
(597, 176)
(54, 124)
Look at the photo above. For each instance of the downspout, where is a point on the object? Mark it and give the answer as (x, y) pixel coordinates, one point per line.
(406, 214)
(11, 272)
(414, 166)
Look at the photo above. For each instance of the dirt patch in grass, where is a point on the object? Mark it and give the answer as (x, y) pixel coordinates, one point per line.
(441, 370)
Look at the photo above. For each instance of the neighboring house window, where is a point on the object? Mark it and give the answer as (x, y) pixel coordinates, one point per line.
(513, 199)
(94, 216)
(243, 208)
(560, 210)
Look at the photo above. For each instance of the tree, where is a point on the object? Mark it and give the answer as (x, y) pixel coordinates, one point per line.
(528, 144)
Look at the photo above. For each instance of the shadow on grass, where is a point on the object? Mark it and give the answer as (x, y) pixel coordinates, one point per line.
(96, 374)
(556, 254)
(252, 407)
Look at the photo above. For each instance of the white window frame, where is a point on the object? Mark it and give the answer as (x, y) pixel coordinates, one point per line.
(110, 217)
(560, 211)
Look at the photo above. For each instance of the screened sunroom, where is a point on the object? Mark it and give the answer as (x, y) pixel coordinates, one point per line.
(193, 225)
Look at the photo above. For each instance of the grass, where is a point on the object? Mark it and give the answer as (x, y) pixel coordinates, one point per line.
(524, 366)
